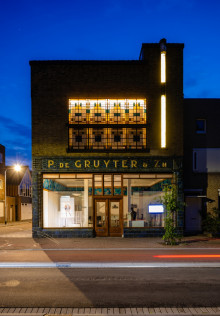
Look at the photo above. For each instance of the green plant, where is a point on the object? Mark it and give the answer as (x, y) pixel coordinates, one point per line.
(211, 223)
(170, 201)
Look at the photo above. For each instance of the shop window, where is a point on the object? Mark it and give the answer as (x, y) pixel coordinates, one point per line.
(67, 202)
(142, 201)
(200, 126)
(107, 124)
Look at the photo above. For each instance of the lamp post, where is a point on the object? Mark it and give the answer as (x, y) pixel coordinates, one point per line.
(17, 168)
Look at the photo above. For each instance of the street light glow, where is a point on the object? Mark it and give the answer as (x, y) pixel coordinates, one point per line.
(17, 167)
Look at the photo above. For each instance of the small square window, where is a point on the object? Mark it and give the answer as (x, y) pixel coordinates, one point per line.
(136, 138)
(78, 138)
(200, 126)
(117, 138)
(98, 138)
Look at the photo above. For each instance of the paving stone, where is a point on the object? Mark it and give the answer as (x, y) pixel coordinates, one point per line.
(169, 310)
(186, 310)
(98, 311)
(110, 311)
(12, 309)
(6, 310)
(140, 311)
(163, 310)
(41, 310)
(104, 311)
(157, 310)
(81, 310)
(52, 310)
(122, 311)
(134, 311)
(180, 310)
(151, 311)
(87, 310)
(75, 311)
(58, 310)
(34, 310)
(146, 310)
(215, 309)
(204, 310)
(93, 310)
(17, 310)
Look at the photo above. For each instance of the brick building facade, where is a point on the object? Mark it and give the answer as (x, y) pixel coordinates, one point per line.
(2, 183)
(201, 160)
(106, 137)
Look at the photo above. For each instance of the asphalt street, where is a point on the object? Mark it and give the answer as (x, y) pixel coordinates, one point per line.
(164, 287)
(107, 272)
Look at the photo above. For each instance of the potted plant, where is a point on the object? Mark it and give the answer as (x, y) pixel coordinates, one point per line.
(211, 223)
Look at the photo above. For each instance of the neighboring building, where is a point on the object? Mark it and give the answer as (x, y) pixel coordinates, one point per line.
(201, 160)
(19, 194)
(2, 184)
(106, 137)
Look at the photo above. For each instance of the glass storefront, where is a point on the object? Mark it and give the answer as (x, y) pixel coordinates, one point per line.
(68, 199)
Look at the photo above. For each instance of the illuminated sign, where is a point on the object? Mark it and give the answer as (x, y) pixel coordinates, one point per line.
(155, 208)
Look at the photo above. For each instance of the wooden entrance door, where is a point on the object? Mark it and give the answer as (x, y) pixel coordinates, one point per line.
(108, 217)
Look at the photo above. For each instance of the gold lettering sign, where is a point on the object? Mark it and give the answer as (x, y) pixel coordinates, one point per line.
(96, 163)
(50, 163)
(124, 164)
(106, 163)
(133, 164)
(87, 164)
(116, 163)
(78, 164)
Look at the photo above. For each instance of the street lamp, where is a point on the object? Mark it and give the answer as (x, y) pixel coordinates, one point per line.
(17, 168)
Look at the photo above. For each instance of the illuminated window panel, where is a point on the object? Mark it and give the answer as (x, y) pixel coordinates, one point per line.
(98, 138)
(78, 138)
(117, 138)
(98, 112)
(107, 138)
(107, 111)
(136, 138)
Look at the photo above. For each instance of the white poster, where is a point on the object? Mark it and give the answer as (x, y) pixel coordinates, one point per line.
(67, 207)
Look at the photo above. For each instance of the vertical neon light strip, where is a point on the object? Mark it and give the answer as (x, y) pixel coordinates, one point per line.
(163, 121)
(163, 67)
(163, 101)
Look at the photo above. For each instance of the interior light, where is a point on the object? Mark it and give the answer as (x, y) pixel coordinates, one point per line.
(163, 67)
(163, 121)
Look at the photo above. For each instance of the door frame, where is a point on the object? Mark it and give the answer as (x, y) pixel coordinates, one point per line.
(110, 232)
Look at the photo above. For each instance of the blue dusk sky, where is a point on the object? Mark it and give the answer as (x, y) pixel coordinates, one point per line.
(97, 29)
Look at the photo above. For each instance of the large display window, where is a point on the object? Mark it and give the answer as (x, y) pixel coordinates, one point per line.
(142, 205)
(67, 201)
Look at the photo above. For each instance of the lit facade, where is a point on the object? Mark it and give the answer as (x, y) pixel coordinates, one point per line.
(106, 137)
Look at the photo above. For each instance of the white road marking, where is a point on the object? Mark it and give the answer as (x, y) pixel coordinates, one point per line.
(109, 265)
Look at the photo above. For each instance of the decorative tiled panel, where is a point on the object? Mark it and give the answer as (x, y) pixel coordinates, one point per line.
(107, 111)
(107, 138)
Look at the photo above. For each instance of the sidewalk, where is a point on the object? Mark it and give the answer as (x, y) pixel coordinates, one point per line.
(18, 235)
(110, 311)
